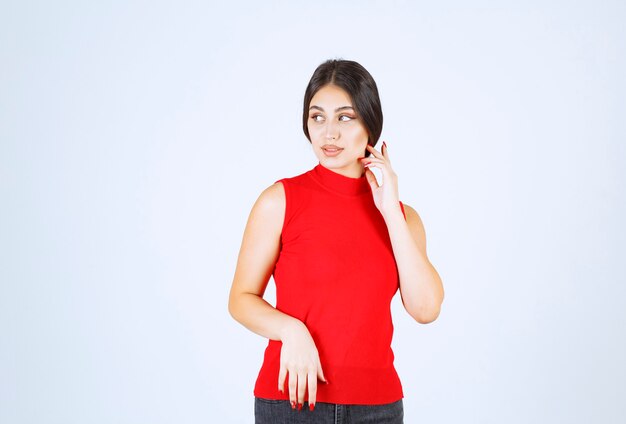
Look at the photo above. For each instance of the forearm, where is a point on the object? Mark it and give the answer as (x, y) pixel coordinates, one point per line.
(420, 285)
(257, 315)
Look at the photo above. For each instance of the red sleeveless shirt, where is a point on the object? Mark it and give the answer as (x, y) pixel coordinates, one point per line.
(336, 272)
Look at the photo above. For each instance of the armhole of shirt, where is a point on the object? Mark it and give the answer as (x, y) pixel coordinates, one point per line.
(287, 215)
(402, 207)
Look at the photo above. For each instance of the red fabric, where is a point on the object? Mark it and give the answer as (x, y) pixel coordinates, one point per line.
(336, 272)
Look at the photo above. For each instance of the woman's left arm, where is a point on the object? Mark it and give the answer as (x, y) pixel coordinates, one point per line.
(421, 288)
(420, 285)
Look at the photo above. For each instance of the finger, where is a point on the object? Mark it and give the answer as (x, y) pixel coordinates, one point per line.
(320, 372)
(377, 164)
(384, 166)
(371, 178)
(281, 379)
(293, 381)
(372, 159)
(380, 165)
(385, 170)
(375, 152)
(312, 381)
(385, 151)
(302, 377)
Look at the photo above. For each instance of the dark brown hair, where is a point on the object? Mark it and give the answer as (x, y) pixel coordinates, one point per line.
(360, 86)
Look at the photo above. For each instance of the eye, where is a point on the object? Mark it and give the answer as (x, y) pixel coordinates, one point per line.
(345, 116)
(314, 118)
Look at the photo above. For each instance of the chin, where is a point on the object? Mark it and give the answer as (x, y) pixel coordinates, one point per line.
(333, 162)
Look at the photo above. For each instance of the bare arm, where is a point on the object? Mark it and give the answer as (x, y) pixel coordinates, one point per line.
(257, 257)
(259, 252)
(421, 287)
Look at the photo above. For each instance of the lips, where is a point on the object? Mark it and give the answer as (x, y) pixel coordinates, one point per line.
(331, 151)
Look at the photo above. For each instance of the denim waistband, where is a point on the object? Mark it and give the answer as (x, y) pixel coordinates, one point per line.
(271, 411)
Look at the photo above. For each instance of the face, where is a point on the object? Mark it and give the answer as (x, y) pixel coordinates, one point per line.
(338, 136)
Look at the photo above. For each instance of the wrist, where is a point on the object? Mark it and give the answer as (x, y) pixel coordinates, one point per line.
(291, 328)
(394, 212)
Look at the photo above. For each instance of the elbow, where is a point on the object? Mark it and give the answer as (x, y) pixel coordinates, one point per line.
(427, 311)
(424, 307)
(233, 310)
(424, 314)
(426, 317)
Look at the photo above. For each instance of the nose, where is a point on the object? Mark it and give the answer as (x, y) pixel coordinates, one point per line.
(332, 131)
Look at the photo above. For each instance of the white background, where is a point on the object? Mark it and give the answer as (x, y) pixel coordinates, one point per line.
(136, 136)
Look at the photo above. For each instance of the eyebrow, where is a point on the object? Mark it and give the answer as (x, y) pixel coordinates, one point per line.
(336, 110)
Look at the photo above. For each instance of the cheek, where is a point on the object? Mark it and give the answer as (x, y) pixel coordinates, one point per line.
(314, 130)
(359, 134)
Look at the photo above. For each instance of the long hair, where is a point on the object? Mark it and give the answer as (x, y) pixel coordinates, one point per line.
(360, 86)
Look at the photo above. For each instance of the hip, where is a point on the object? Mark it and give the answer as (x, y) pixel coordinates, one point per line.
(271, 411)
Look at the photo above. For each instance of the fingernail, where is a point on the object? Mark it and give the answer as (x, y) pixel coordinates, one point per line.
(384, 144)
(299, 407)
(293, 405)
(312, 406)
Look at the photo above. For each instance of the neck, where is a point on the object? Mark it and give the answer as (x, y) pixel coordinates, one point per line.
(339, 183)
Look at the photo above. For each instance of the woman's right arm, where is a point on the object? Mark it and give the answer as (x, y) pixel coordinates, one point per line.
(259, 252)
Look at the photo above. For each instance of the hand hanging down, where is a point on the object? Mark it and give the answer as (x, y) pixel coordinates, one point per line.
(300, 359)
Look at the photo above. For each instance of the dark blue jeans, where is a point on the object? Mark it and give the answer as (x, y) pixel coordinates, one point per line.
(269, 411)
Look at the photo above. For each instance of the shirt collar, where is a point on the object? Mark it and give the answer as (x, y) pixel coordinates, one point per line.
(339, 183)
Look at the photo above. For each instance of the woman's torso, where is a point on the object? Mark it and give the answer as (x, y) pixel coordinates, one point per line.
(336, 272)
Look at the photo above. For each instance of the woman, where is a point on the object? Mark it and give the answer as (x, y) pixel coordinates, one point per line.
(339, 246)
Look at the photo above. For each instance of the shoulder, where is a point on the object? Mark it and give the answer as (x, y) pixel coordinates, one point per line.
(411, 214)
(272, 199)
(269, 208)
(416, 226)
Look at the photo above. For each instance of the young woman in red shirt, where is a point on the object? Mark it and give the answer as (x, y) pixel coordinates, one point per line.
(339, 245)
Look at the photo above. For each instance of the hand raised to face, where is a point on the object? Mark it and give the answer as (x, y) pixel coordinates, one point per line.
(386, 195)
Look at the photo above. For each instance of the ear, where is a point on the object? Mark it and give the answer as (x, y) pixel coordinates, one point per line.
(367, 152)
